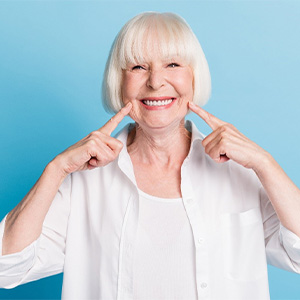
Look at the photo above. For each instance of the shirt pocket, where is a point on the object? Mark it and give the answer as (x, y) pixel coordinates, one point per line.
(243, 245)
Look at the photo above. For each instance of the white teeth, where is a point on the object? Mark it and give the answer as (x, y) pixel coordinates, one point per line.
(157, 103)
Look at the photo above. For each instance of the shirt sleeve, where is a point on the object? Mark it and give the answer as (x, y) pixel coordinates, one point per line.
(45, 256)
(282, 245)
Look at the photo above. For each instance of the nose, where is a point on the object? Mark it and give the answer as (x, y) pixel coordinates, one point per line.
(155, 79)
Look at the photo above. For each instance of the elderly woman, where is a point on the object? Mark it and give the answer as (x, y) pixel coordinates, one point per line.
(160, 211)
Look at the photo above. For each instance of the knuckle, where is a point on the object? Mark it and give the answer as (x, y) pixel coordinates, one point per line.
(96, 133)
(97, 137)
(224, 127)
(93, 135)
(224, 134)
(92, 144)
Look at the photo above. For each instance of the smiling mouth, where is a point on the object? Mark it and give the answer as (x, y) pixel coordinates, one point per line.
(158, 102)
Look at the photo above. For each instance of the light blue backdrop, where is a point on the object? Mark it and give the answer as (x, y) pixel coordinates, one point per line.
(52, 56)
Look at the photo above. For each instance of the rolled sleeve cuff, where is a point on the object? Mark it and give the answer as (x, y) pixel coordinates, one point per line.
(13, 267)
(291, 243)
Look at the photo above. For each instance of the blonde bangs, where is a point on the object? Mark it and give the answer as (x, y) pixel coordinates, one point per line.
(161, 34)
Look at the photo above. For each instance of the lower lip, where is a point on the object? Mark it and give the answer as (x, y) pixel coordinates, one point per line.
(159, 107)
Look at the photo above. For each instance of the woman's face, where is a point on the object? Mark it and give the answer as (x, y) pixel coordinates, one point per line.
(159, 91)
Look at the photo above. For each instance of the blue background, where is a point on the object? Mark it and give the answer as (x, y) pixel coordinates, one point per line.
(52, 57)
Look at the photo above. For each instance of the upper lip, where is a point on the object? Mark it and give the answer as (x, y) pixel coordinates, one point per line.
(157, 98)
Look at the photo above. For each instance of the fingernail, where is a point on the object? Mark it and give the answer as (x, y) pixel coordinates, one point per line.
(192, 104)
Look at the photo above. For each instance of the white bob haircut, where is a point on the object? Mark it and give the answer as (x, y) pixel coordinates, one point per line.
(171, 36)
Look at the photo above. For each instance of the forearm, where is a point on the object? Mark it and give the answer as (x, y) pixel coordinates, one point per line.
(24, 223)
(282, 192)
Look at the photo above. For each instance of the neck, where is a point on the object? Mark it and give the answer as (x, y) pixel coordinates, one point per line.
(160, 146)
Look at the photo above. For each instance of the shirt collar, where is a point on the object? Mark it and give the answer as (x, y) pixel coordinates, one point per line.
(196, 134)
(124, 160)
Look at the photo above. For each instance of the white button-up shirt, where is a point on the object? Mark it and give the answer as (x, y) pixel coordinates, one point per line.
(90, 231)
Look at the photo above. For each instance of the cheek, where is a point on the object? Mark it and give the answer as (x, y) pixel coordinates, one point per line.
(135, 111)
(184, 84)
(130, 86)
(126, 88)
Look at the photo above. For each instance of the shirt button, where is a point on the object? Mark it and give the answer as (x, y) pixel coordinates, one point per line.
(189, 200)
(200, 241)
(203, 285)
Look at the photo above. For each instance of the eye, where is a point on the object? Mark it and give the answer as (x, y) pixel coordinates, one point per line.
(138, 67)
(173, 65)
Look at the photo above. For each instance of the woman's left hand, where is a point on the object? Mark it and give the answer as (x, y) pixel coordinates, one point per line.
(226, 142)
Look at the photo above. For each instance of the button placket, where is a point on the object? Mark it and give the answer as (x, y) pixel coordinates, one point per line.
(125, 276)
(199, 231)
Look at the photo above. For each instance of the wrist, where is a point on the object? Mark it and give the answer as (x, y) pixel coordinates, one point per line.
(56, 170)
(264, 163)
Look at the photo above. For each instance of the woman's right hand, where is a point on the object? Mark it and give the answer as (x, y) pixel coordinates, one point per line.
(95, 150)
(24, 223)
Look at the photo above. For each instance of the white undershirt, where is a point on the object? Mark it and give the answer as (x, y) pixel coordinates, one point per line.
(164, 258)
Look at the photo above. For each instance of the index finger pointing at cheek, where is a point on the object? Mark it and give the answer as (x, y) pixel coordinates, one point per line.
(112, 124)
(212, 121)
